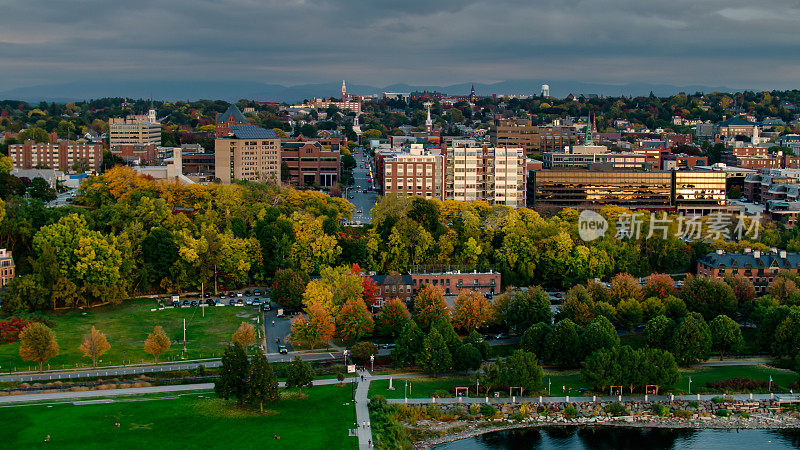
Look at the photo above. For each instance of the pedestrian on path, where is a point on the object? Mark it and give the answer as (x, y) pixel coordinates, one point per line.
(370, 443)
(364, 424)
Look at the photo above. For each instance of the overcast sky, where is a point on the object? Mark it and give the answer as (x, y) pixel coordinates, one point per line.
(736, 43)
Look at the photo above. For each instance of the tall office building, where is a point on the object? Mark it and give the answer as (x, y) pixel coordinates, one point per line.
(414, 171)
(532, 138)
(134, 129)
(247, 153)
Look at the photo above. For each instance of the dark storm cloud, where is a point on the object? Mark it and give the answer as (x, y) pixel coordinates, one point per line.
(734, 42)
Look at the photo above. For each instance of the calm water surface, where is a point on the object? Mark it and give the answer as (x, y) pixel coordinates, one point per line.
(580, 438)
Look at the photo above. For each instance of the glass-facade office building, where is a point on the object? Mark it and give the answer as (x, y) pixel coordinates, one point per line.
(658, 190)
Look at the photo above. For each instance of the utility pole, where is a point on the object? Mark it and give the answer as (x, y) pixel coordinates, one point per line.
(184, 336)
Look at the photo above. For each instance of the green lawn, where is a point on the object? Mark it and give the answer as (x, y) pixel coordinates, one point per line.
(126, 327)
(186, 421)
(561, 382)
(781, 378)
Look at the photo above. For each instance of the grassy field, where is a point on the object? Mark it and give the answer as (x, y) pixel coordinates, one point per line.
(187, 421)
(561, 382)
(126, 327)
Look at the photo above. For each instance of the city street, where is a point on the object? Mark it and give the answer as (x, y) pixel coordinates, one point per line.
(364, 180)
(279, 330)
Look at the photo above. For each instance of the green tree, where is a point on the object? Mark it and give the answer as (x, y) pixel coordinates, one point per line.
(691, 342)
(524, 309)
(658, 332)
(288, 287)
(262, 384)
(435, 356)
(578, 306)
(726, 336)
(408, 345)
(523, 370)
(392, 317)
(232, 380)
(564, 336)
(362, 351)
(477, 341)
(41, 190)
(600, 333)
(466, 357)
(709, 296)
(534, 340)
(300, 374)
(629, 314)
(37, 343)
(159, 253)
(35, 134)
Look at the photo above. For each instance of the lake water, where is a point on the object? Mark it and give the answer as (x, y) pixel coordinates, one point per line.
(580, 438)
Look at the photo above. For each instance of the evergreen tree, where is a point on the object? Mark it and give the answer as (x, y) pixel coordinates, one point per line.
(232, 381)
(300, 374)
(691, 342)
(435, 356)
(262, 385)
(408, 345)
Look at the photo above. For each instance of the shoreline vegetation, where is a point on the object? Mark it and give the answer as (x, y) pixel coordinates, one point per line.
(431, 424)
(705, 425)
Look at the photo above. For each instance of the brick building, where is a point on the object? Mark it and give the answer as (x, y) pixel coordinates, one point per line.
(309, 163)
(247, 153)
(394, 285)
(413, 171)
(682, 161)
(62, 155)
(232, 116)
(144, 153)
(522, 133)
(7, 267)
(760, 267)
(452, 282)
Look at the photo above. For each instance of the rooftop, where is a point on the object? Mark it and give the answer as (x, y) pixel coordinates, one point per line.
(252, 132)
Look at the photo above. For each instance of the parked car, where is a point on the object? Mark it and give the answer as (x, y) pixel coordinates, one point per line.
(232, 302)
(266, 306)
(501, 336)
(257, 292)
(207, 295)
(390, 345)
(247, 293)
(238, 294)
(176, 304)
(280, 313)
(219, 303)
(256, 301)
(239, 303)
(221, 295)
(283, 350)
(185, 304)
(194, 303)
(248, 301)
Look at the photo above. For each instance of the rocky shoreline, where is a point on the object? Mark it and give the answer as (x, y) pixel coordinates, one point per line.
(744, 415)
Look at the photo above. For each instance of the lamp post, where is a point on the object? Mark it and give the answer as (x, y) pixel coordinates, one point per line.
(372, 363)
(477, 387)
(690, 385)
(549, 382)
(123, 358)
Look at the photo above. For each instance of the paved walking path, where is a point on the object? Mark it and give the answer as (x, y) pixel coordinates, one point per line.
(363, 432)
(582, 399)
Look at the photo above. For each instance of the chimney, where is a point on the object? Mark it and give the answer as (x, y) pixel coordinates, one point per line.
(757, 254)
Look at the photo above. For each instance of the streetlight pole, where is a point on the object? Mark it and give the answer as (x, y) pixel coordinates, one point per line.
(549, 382)
(690, 385)
(123, 358)
(372, 363)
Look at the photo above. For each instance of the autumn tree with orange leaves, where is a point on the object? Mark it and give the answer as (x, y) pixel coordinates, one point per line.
(472, 311)
(315, 330)
(94, 345)
(430, 305)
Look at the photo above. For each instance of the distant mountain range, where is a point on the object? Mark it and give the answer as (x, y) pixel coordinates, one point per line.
(232, 91)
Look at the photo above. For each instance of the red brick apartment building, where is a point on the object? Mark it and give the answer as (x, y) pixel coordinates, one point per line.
(452, 282)
(61, 156)
(759, 267)
(146, 153)
(310, 163)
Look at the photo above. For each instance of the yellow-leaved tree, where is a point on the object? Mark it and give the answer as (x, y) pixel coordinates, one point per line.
(156, 343)
(94, 345)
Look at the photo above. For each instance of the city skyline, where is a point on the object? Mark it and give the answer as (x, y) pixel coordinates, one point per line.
(379, 43)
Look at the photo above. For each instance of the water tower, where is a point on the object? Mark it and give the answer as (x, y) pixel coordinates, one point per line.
(545, 90)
